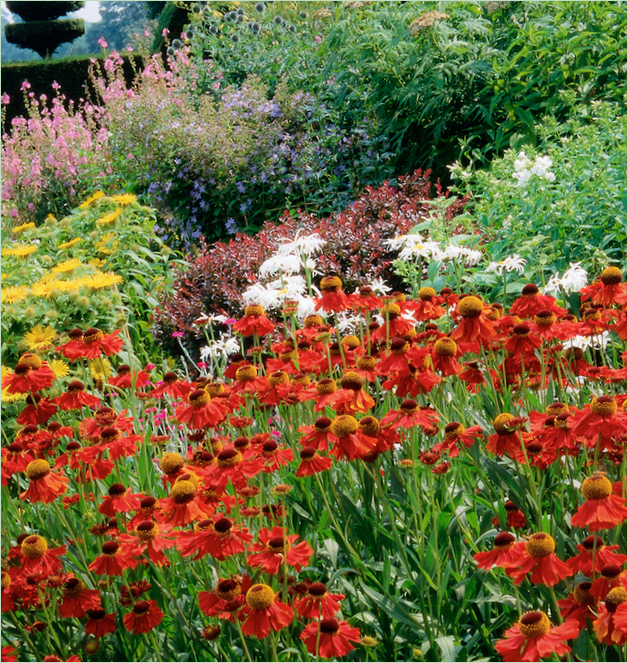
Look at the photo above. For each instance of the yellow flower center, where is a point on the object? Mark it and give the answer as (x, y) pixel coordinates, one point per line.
(534, 625)
(255, 310)
(596, 487)
(260, 597)
(427, 293)
(351, 342)
(229, 458)
(92, 335)
(393, 310)
(34, 547)
(470, 307)
(366, 363)
(614, 598)
(500, 423)
(446, 347)
(246, 373)
(6, 580)
(228, 589)
(171, 463)
(545, 318)
(344, 426)
(31, 360)
(182, 492)
(215, 389)
(352, 380)
(611, 276)
(199, 398)
(312, 320)
(330, 284)
(540, 545)
(325, 387)
(454, 429)
(278, 377)
(72, 587)
(369, 426)
(582, 595)
(605, 406)
(147, 530)
(37, 469)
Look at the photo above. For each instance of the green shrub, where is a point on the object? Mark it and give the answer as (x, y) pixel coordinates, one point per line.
(578, 217)
(474, 80)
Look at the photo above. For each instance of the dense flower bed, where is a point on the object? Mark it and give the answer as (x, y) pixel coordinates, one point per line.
(307, 491)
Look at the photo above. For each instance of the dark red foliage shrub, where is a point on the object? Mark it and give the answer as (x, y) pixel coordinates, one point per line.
(215, 279)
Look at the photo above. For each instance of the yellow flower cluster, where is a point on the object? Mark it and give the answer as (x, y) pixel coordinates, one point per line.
(19, 251)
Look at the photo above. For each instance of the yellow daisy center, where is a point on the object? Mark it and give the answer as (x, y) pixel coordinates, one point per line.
(260, 597)
(540, 545)
(534, 625)
(596, 487)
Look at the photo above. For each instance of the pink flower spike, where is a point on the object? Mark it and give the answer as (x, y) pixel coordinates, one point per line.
(102, 42)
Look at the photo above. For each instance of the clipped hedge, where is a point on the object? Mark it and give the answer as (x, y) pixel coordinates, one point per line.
(70, 73)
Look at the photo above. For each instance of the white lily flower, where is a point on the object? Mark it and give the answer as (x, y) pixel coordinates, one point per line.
(287, 264)
(510, 264)
(597, 341)
(307, 244)
(379, 287)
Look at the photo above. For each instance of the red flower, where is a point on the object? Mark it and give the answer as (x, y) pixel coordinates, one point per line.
(231, 465)
(45, 486)
(394, 326)
(77, 599)
(119, 446)
(318, 436)
(38, 410)
(226, 597)
(424, 308)
(456, 434)
(8, 653)
(599, 422)
(608, 290)
(99, 623)
(263, 612)
(202, 410)
(444, 357)
(603, 555)
(351, 442)
(334, 639)
(184, 505)
(333, 299)
(312, 462)
(119, 500)
(36, 557)
(221, 539)
(148, 538)
(522, 342)
(602, 509)
(318, 602)
(27, 378)
(610, 625)
(536, 556)
(532, 301)
(95, 343)
(274, 457)
(76, 397)
(274, 547)
(409, 415)
(112, 561)
(475, 327)
(365, 300)
(579, 605)
(502, 553)
(254, 322)
(144, 617)
(506, 438)
(126, 378)
(533, 637)
(106, 417)
(172, 386)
